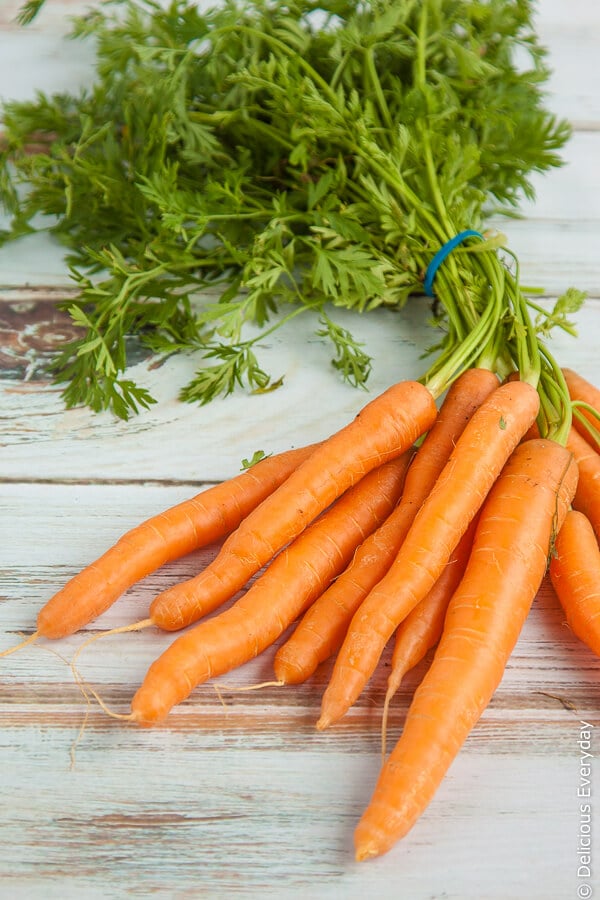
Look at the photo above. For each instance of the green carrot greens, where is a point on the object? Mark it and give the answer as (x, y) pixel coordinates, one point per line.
(258, 160)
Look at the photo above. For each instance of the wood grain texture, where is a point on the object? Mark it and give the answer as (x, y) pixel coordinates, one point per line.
(237, 794)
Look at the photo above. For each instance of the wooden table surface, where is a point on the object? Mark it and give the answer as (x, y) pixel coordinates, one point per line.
(237, 794)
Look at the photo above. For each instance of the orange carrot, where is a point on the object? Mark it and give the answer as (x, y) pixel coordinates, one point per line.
(292, 581)
(481, 451)
(323, 628)
(575, 576)
(587, 498)
(508, 561)
(383, 430)
(422, 628)
(195, 523)
(321, 631)
(584, 395)
(464, 398)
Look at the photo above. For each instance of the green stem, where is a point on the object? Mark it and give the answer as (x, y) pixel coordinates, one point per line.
(217, 119)
(457, 359)
(553, 320)
(339, 71)
(527, 345)
(592, 430)
(420, 80)
(371, 153)
(554, 391)
(288, 318)
(376, 85)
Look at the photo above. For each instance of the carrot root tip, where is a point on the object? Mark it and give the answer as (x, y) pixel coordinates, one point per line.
(24, 643)
(366, 851)
(384, 719)
(249, 687)
(88, 691)
(135, 626)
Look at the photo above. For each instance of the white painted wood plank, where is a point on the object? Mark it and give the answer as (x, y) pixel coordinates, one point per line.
(175, 440)
(52, 16)
(283, 834)
(280, 826)
(571, 192)
(33, 60)
(188, 442)
(574, 83)
(550, 13)
(245, 798)
(555, 254)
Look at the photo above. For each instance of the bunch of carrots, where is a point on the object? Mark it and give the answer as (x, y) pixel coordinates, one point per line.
(432, 518)
(435, 526)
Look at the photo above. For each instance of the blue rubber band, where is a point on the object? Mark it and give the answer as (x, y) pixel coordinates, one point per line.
(441, 255)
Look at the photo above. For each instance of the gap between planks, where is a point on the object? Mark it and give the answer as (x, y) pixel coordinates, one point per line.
(112, 482)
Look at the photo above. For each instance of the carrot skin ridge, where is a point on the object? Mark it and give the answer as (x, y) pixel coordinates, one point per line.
(322, 630)
(383, 430)
(587, 497)
(518, 522)
(179, 530)
(423, 626)
(480, 453)
(575, 577)
(292, 581)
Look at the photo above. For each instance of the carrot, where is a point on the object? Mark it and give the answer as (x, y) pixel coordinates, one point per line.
(383, 430)
(195, 523)
(481, 451)
(524, 510)
(323, 628)
(587, 498)
(464, 398)
(575, 576)
(422, 628)
(292, 581)
(586, 406)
